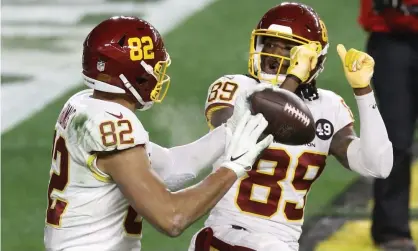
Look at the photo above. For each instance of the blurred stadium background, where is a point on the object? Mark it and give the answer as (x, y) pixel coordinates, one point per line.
(41, 62)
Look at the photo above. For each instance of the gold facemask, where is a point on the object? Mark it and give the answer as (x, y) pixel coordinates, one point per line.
(163, 81)
(254, 62)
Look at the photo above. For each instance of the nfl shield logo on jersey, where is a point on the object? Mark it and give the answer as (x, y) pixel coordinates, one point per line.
(100, 65)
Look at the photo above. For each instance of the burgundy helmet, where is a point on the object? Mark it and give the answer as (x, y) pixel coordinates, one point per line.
(295, 22)
(127, 55)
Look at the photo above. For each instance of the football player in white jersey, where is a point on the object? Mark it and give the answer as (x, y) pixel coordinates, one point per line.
(104, 168)
(264, 210)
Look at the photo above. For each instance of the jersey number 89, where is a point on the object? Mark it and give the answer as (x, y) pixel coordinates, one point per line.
(224, 91)
(309, 166)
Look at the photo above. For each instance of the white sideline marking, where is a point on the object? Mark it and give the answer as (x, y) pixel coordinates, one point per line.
(55, 73)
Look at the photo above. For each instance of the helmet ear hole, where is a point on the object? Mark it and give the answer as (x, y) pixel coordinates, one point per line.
(143, 87)
(141, 80)
(144, 78)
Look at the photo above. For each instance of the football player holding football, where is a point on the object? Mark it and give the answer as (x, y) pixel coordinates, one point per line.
(264, 210)
(104, 168)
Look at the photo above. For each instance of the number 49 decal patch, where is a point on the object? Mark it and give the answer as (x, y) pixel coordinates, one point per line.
(324, 129)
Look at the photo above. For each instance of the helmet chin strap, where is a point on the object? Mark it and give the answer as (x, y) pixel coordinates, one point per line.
(145, 105)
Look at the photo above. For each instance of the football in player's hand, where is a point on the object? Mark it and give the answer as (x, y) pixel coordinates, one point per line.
(290, 120)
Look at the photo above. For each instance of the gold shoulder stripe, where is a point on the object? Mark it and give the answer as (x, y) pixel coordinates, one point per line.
(97, 174)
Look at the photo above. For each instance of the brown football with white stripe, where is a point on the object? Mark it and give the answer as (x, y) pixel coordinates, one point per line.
(290, 120)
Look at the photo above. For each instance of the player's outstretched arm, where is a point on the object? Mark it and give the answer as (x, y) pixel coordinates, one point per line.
(169, 212)
(372, 154)
(180, 164)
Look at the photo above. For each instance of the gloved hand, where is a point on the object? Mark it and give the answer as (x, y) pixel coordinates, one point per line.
(303, 60)
(243, 149)
(358, 66)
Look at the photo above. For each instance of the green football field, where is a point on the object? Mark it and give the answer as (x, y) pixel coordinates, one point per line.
(211, 43)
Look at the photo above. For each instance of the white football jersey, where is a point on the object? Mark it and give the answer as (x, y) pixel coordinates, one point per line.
(271, 198)
(86, 210)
